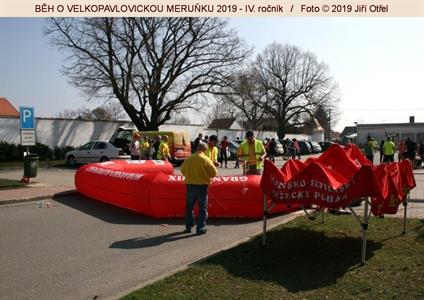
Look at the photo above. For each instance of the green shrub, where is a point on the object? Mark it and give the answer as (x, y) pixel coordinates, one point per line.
(59, 152)
(12, 152)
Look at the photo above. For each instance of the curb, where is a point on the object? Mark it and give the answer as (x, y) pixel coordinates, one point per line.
(38, 198)
(290, 217)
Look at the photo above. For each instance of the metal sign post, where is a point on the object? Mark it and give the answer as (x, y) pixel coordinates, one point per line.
(27, 125)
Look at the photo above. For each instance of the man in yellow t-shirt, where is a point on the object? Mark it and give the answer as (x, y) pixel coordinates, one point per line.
(198, 170)
(389, 149)
(144, 148)
(252, 152)
(163, 151)
(212, 150)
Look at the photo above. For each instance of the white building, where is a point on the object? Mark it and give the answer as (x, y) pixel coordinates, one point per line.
(415, 131)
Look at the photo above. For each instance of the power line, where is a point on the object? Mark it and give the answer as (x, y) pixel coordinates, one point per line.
(383, 109)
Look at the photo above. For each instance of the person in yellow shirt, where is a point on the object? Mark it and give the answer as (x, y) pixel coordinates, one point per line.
(198, 170)
(212, 150)
(252, 153)
(389, 149)
(144, 148)
(163, 150)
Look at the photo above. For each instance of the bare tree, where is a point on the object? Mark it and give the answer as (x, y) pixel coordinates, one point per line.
(247, 96)
(107, 112)
(220, 110)
(67, 114)
(295, 83)
(153, 66)
(180, 119)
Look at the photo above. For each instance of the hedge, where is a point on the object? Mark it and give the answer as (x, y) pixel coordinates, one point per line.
(13, 152)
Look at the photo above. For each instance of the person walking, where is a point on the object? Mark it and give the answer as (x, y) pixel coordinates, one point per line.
(389, 150)
(135, 146)
(163, 151)
(252, 153)
(369, 149)
(295, 149)
(272, 149)
(223, 146)
(381, 151)
(402, 150)
(198, 170)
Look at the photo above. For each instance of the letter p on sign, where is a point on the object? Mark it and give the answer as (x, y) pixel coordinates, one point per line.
(26, 115)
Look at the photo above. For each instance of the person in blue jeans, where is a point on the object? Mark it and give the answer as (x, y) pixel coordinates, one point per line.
(198, 170)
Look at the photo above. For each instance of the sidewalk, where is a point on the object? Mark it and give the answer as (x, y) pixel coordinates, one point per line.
(50, 182)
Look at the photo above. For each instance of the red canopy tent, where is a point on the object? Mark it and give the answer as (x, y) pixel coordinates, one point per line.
(338, 178)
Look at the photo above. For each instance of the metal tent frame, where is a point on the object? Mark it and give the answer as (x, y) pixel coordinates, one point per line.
(363, 222)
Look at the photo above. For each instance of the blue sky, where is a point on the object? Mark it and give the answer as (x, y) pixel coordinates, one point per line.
(378, 63)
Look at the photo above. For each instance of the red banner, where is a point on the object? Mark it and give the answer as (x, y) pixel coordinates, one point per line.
(336, 178)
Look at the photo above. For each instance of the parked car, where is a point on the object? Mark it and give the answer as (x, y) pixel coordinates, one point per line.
(325, 145)
(279, 148)
(233, 145)
(315, 147)
(97, 151)
(305, 147)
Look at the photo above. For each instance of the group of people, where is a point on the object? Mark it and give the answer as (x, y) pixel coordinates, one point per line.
(215, 147)
(200, 168)
(145, 148)
(407, 149)
(291, 148)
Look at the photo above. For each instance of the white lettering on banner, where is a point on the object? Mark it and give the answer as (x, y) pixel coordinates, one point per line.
(176, 178)
(230, 178)
(215, 179)
(321, 191)
(135, 162)
(115, 174)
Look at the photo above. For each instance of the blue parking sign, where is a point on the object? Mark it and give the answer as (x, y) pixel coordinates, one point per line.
(26, 116)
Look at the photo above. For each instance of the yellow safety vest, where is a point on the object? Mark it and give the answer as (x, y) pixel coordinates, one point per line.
(163, 151)
(212, 153)
(259, 151)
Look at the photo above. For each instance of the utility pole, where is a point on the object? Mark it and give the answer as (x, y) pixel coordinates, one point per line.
(329, 125)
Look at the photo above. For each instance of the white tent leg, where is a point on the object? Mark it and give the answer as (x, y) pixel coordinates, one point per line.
(364, 233)
(264, 223)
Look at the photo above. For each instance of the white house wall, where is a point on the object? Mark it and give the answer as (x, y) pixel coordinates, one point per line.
(378, 132)
(62, 132)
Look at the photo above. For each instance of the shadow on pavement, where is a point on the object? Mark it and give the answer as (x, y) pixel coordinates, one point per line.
(145, 242)
(117, 215)
(298, 259)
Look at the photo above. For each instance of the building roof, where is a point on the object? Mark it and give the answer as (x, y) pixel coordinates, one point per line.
(222, 123)
(348, 130)
(391, 124)
(7, 109)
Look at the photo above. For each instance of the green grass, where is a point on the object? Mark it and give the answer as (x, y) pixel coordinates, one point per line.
(10, 184)
(308, 260)
(41, 164)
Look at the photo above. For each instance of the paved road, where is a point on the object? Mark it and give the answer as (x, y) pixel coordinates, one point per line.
(80, 248)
